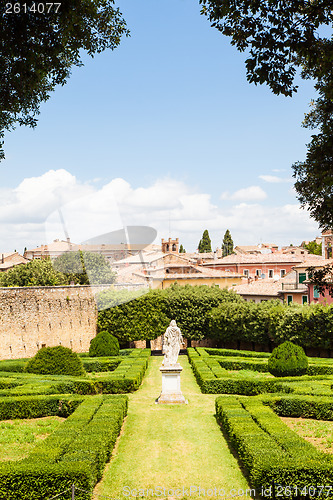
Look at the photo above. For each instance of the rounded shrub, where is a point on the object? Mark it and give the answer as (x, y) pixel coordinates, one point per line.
(288, 360)
(104, 344)
(57, 360)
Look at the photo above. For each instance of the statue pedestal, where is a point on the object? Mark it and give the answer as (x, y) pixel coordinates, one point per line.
(171, 392)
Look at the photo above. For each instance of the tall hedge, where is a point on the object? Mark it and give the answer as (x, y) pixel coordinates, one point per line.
(210, 312)
(148, 316)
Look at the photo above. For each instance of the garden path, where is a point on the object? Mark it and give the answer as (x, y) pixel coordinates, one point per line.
(171, 446)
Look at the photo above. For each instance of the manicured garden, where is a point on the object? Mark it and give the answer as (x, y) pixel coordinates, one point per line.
(255, 453)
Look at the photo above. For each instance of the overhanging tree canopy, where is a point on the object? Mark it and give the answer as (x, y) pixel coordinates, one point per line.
(282, 37)
(38, 49)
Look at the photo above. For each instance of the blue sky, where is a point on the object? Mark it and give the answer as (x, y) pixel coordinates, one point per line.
(170, 115)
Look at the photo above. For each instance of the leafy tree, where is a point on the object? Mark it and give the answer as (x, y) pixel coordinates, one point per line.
(38, 50)
(182, 249)
(282, 37)
(35, 273)
(205, 243)
(228, 244)
(313, 247)
(148, 317)
(140, 319)
(322, 278)
(84, 268)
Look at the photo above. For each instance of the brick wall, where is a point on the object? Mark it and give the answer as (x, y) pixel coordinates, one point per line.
(34, 316)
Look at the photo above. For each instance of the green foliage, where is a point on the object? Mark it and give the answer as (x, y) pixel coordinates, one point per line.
(309, 326)
(281, 37)
(140, 319)
(287, 360)
(205, 243)
(37, 406)
(57, 360)
(84, 268)
(214, 379)
(228, 244)
(35, 273)
(75, 453)
(313, 247)
(101, 364)
(269, 450)
(317, 408)
(104, 344)
(290, 32)
(41, 49)
(182, 249)
(322, 278)
(253, 322)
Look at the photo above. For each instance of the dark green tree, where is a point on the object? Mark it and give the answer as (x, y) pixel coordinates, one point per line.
(182, 249)
(228, 244)
(35, 273)
(205, 243)
(84, 268)
(38, 50)
(282, 38)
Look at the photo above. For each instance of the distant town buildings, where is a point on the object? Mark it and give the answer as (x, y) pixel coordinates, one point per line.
(257, 272)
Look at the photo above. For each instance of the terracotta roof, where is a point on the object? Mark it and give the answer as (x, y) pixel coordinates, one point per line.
(199, 272)
(257, 259)
(11, 259)
(266, 288)
(319, 262)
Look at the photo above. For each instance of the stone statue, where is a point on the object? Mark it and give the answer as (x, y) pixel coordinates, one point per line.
(171, 344)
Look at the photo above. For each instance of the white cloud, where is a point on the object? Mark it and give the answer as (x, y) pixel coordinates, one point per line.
(251, 193)
(274, 179)
(29, 214)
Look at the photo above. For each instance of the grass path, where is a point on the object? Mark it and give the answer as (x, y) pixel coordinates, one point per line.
(170, 446)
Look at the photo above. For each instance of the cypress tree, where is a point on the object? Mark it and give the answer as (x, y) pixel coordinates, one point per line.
(205, 244)
(228, 244)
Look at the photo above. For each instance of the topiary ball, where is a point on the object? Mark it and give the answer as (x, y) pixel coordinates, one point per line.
(57, 360)
(287, 360)
(104, 344)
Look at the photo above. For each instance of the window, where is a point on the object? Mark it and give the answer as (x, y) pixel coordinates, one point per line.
(315, 293)
(246, 273)
(301, 277)
(304, 299)
(289, 299)
(282, 273)
(258, 272)
(270, 273)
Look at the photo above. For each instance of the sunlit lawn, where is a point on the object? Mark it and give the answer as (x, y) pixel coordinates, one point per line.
(18, 437)
(170, 446)
(317, 432)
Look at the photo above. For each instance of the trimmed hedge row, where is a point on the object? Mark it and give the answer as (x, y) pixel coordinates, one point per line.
(37, 406)
(259, 361)
(213, 381)
(318, 408)
(270, 451)
(103, 364)
(75, 453)
(126, 377)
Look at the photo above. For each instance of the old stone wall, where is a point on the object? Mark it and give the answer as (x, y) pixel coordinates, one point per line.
(33, 317)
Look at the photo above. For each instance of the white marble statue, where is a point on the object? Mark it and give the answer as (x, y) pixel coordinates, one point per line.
(171, 344)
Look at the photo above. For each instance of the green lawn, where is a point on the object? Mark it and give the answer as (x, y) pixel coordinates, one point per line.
(18, 437)
(171, 446)
(317, 432)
